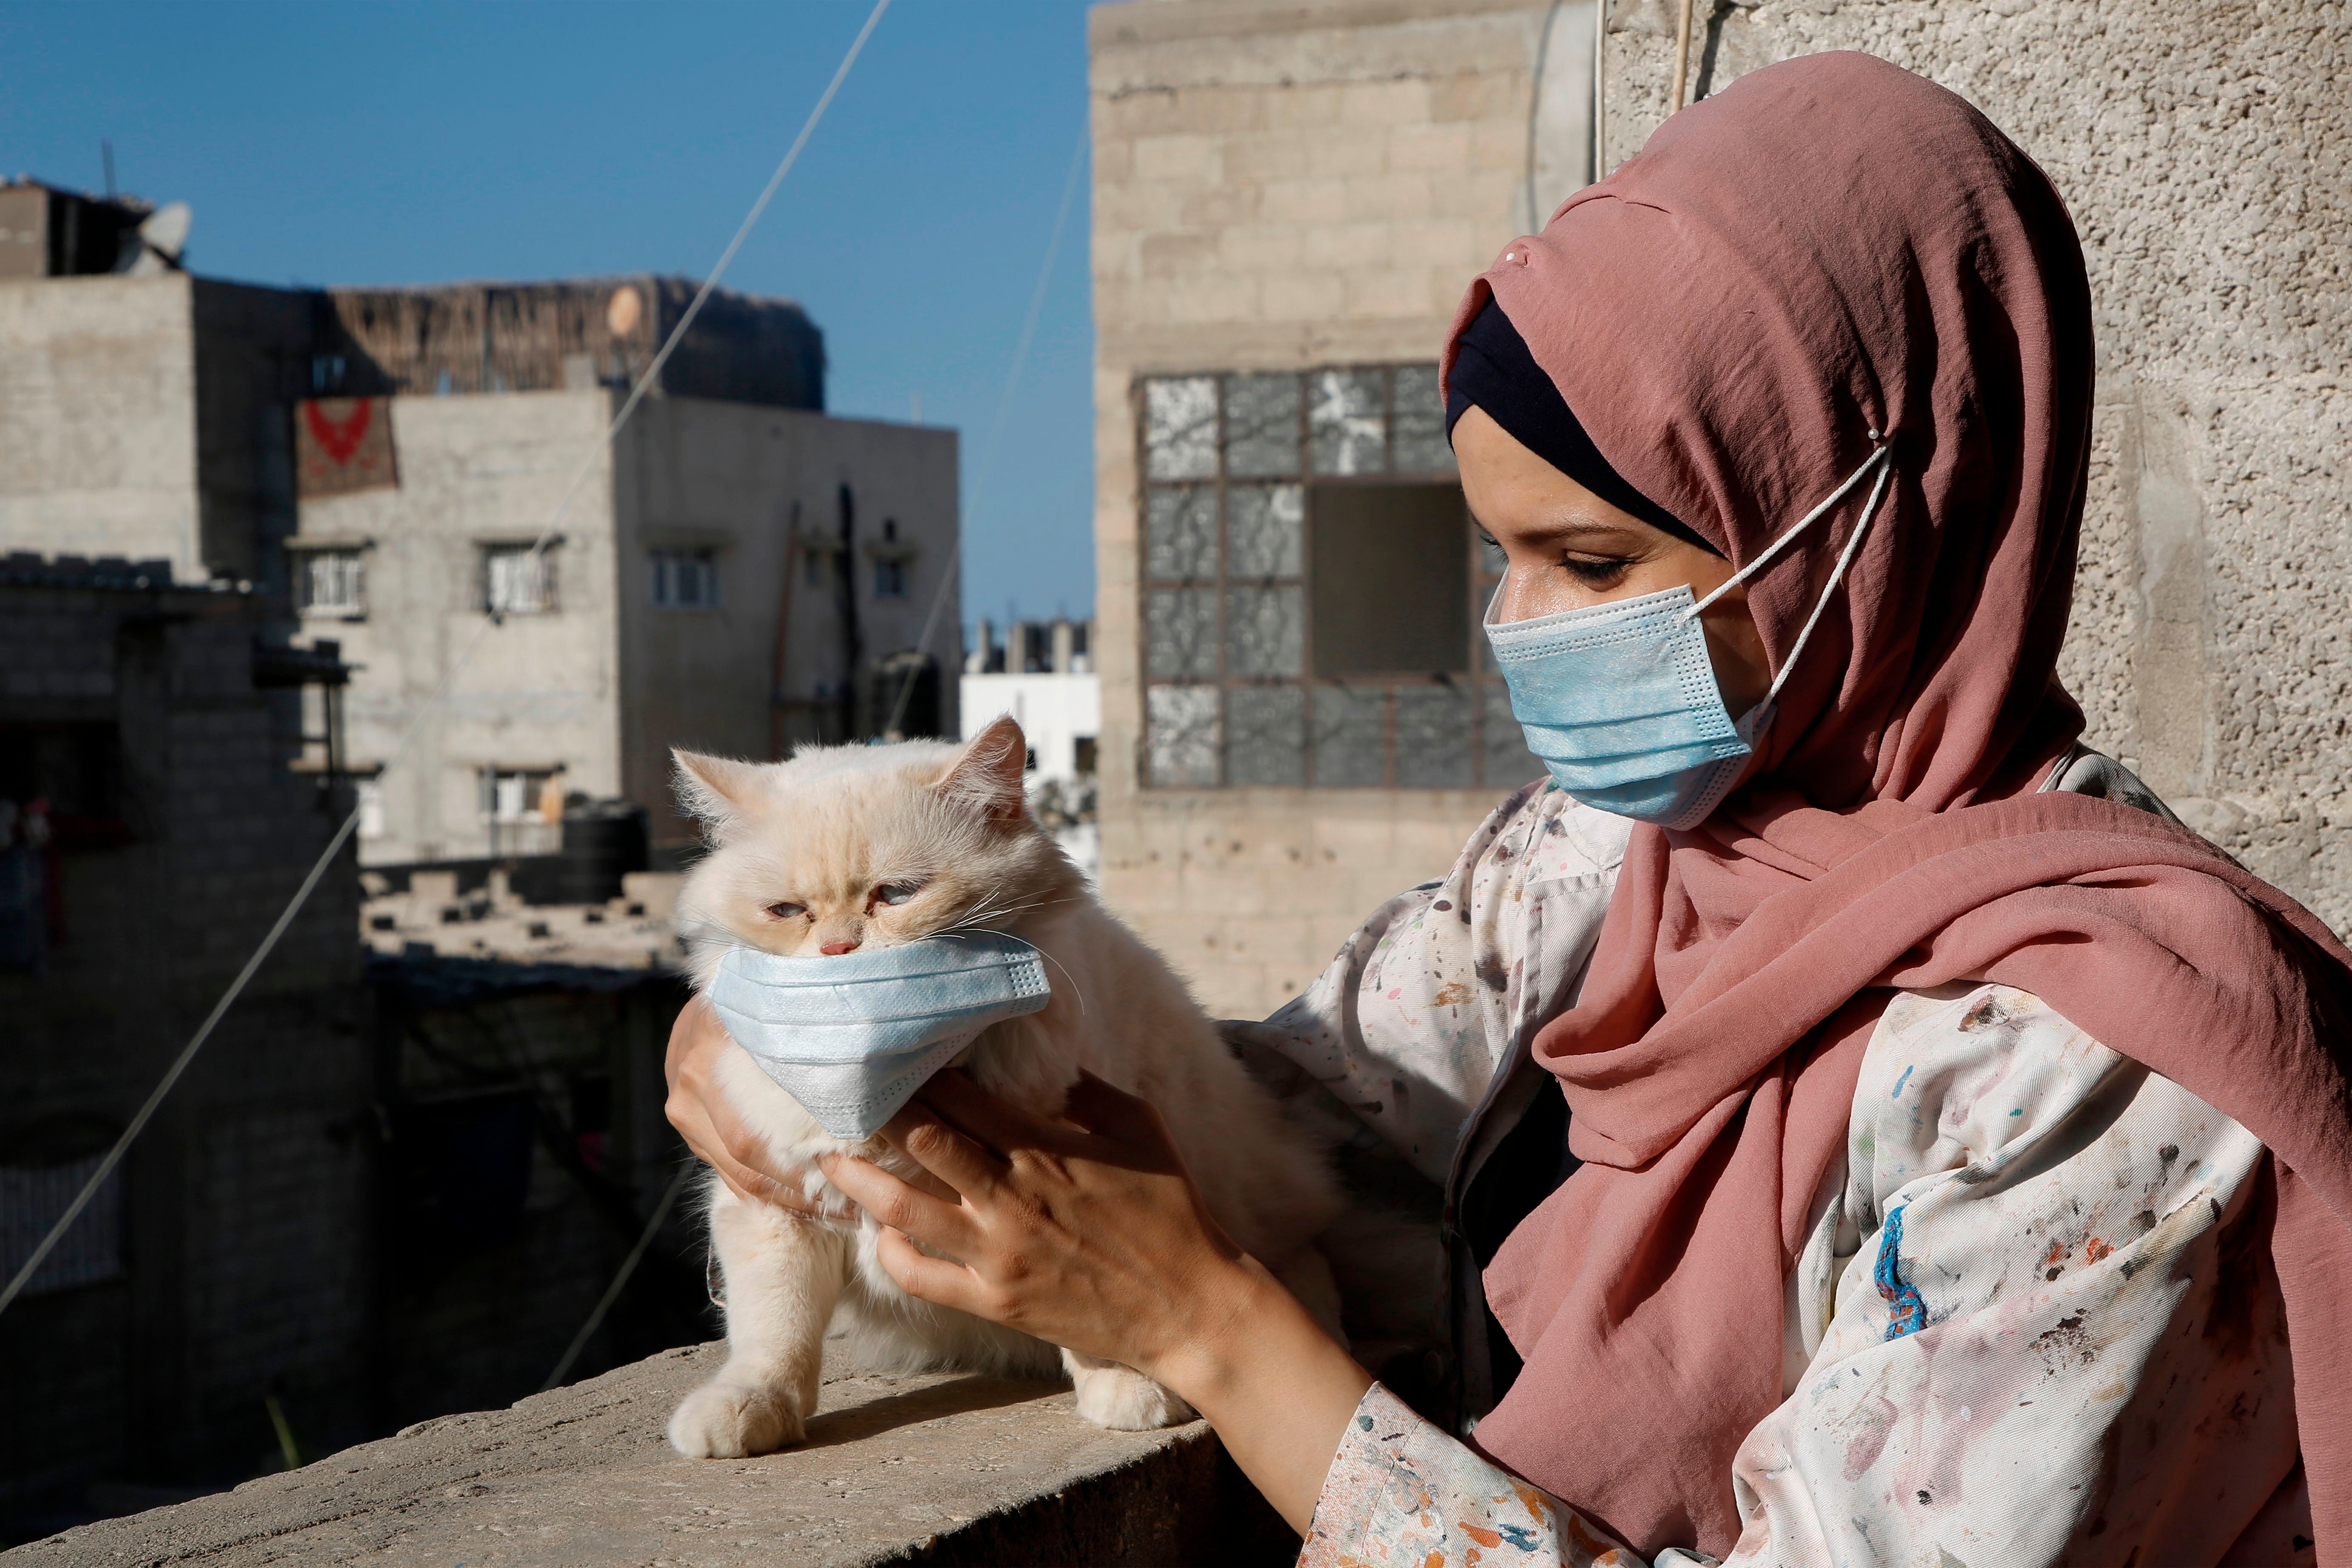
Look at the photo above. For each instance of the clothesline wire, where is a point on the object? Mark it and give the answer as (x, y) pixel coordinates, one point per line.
(1019, 354)
(588, 463)
(996, 425)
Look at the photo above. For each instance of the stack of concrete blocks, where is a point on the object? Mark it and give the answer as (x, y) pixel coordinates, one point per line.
(1281, 188)
(2205, 153)
(242, 1210)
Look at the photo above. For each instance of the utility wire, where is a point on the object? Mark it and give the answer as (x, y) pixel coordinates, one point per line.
(996, 425)
(105, 1166)
(612, 1291)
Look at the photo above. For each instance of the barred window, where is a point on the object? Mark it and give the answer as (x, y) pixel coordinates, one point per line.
(518, 582)
(332, 582)
(685, 579)
(33, 1198)
(1312, 587)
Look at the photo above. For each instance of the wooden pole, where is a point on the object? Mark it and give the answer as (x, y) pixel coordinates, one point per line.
(1682, 55)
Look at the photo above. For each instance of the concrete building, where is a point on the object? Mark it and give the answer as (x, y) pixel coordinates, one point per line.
(738, 572)
(729, 576)
(150, 833)
(1296, 721)
(1288, 202)
(1042, 673)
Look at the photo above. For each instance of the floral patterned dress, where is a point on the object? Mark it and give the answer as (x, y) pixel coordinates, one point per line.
(2034, 1321)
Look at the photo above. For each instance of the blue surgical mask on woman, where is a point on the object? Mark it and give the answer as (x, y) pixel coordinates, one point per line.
(852, 1037)
(1620, 702)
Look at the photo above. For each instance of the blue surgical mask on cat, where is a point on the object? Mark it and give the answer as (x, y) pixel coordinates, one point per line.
(852, 1037)
(1620, 700)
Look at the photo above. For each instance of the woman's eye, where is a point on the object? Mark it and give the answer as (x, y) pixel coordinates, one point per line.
(1600, 574)
(894, 892)
(786, 912)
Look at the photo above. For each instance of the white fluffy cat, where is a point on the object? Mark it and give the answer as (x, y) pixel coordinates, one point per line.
(850, 847)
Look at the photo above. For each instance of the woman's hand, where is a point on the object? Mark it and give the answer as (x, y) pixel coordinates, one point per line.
(1089, 1232)
(709, 1124)
(720, 1138)
(1086, 1232)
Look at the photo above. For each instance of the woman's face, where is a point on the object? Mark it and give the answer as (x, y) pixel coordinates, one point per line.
(1566, 549)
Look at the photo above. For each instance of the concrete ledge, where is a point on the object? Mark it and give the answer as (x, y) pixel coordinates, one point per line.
(938, 1470)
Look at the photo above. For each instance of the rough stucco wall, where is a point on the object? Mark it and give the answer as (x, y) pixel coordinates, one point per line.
(1284, 188)
(2203, 150)
(98, 419)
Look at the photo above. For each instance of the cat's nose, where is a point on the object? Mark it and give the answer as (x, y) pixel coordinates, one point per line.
(835, 949)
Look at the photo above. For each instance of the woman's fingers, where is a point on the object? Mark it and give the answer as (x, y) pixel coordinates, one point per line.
(717, 1136)
(900, 1204)
(928, 1279)
(995, 1125)
(1109, 1111)
(963, 1165)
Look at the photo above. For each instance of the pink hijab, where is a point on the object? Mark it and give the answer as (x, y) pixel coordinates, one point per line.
(1833, 247)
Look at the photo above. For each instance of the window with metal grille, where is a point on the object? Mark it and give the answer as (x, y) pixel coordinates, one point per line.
(332, 582)
(686, 579)
(516, 583)
(1312, 587)
(33, 1198)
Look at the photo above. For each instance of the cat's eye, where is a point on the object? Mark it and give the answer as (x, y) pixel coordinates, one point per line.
(786, 912)
(896, 892)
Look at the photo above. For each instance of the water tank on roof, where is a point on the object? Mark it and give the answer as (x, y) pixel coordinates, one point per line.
(603, 840)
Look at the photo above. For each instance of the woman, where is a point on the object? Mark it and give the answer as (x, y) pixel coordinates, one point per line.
(1957, 1156)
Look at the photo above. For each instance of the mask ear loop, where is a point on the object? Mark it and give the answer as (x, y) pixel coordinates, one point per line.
(1881, 459)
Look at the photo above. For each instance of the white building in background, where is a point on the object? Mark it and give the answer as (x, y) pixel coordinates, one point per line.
(1042, 675)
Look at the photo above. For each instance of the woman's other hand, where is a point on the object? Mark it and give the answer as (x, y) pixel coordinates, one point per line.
(709, 1124)
(1086, 1232)
(1089, 1232)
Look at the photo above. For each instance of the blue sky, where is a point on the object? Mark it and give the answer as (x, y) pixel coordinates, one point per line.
(402, 142)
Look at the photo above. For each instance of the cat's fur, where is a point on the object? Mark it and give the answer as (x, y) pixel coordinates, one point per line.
(824, 831)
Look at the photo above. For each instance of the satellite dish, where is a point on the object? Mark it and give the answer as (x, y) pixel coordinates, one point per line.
(162, 239)
(622, 312)
(166, 229)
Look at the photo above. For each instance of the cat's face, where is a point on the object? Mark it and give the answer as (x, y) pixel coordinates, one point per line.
(845, 848)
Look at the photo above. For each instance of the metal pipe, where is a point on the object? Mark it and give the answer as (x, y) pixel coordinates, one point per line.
(1682, 55)
(1600, 91)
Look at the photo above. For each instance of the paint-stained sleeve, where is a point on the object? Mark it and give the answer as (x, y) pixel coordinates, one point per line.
(2035, 1321)
(1402, 1494)
(1427, 1000)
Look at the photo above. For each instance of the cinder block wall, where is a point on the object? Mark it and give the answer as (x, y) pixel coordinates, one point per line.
(244, 1205)
(1279, 188)
(2205, 152)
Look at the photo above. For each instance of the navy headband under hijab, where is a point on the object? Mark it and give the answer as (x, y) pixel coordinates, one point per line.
(1494, 368)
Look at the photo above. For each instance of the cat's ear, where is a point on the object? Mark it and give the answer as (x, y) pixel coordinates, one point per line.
(987, 773)
(715, 791)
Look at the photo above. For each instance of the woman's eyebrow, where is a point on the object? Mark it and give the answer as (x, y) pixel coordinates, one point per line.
(1569, 528)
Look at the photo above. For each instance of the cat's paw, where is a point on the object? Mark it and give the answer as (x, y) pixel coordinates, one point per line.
(1125, 1400)
(734, 1421)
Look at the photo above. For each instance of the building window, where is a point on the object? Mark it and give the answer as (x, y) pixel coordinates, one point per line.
(371, 804)
(524, 810)
(889, 579)
(33, 1198)
(1312, 587)
(686, 579)
(518, 582)
(332, 583)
